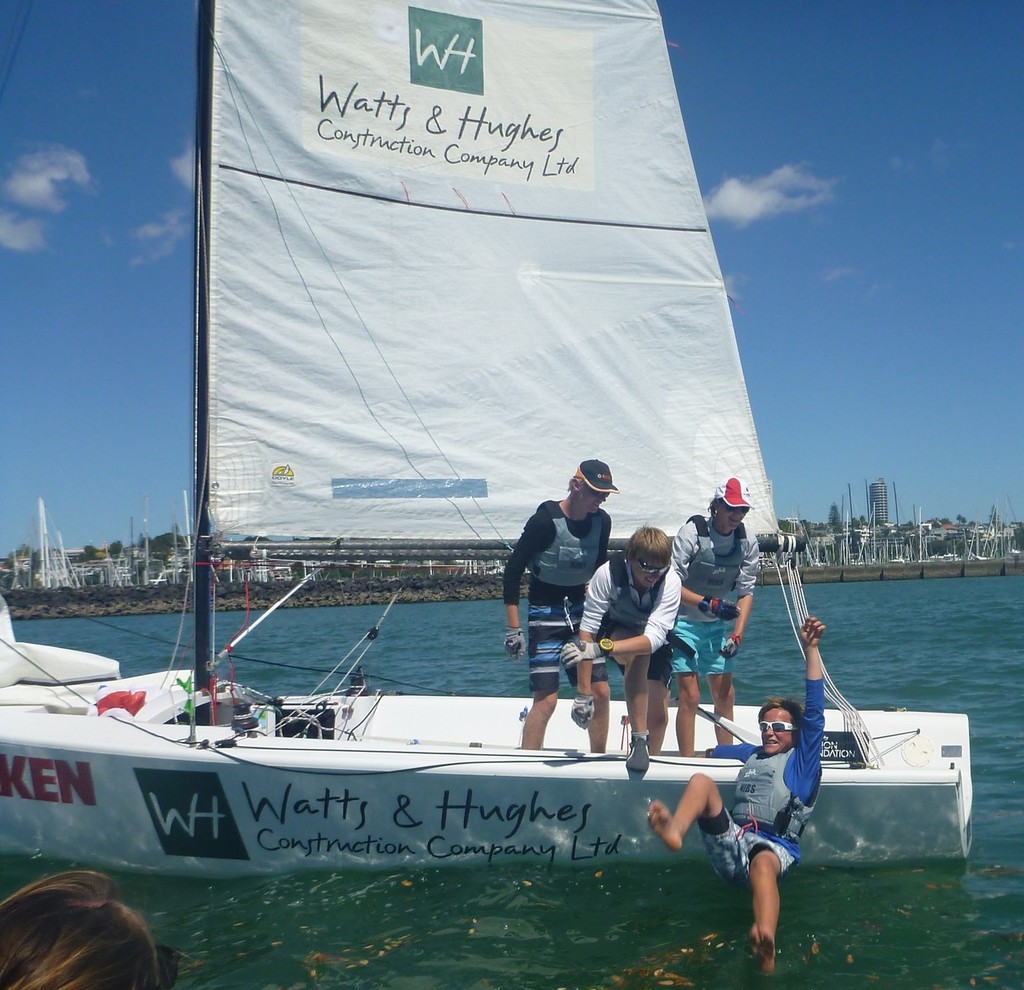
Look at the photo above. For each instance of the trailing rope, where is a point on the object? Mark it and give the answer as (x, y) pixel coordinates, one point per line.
(796, 609)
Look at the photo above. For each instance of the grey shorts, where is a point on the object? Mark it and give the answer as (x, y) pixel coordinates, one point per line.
(731, 850)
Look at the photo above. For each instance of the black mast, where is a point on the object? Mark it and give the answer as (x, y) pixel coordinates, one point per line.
(203, 571)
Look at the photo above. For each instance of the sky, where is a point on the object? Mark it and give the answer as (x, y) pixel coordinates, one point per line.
(862, 166)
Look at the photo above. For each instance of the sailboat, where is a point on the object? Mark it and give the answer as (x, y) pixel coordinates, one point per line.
(444, 251)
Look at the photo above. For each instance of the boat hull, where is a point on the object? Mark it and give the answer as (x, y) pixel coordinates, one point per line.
(137, 796)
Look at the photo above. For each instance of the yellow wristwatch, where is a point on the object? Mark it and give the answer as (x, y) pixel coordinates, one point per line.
(607, 645)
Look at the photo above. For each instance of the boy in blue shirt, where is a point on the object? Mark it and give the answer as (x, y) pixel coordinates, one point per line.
(758, 841)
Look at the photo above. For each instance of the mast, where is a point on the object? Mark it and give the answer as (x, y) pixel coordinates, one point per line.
(203, 572)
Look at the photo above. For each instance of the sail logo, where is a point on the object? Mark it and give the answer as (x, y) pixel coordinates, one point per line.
(446, 51)
(190, 813)
(282, 476)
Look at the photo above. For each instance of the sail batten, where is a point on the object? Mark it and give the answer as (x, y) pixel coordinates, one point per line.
(462, 208)
(455, 252)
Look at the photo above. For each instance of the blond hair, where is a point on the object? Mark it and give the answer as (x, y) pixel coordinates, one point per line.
(650, 545)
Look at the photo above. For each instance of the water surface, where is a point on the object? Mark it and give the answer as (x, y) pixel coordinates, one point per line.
(953, 645)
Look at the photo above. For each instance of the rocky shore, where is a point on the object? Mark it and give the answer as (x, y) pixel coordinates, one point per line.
(65, 603)
(62, 603)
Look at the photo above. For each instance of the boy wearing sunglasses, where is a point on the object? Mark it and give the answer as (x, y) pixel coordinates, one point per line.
(562, 544)
(757, 842)
(716, 560)
(628, 613)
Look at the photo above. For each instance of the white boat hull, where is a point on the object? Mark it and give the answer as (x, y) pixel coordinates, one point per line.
(420, 781)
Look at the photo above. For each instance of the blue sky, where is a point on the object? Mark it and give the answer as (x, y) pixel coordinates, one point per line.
(862, 167)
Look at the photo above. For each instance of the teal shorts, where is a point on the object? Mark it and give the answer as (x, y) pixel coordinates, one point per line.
(705, 639)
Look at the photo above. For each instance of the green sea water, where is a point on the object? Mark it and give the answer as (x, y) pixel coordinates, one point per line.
(936, 644)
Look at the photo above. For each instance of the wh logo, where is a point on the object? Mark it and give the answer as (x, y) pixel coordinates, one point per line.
(171, 819)
(445, 51)
(191, 814)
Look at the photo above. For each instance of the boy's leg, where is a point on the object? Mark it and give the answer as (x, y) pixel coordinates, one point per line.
(764, 881)
(724, 694)
(701, 799)
(537, 718)
(686, 716)
(657, 714)
(598, 728)
(635, 688)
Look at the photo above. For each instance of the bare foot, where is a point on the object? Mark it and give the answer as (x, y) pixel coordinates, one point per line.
(763, 946)
(662, 825)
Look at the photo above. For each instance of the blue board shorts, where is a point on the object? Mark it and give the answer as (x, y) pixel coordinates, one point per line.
(730, 850)
(705, 639)
(549, 630)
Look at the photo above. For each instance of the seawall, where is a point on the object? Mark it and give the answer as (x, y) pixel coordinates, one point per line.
(62, 603)
(909, 571)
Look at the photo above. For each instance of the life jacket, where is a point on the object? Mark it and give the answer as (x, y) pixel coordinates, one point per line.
(708, 574)
(624, 611)
(762, 797)
(568, 560)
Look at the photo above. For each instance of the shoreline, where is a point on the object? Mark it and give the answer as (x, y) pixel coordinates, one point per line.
(410, 588)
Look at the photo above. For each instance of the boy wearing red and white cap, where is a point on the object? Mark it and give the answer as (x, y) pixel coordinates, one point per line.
(716, 560)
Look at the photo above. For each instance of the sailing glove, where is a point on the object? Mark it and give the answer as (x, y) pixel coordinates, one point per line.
(583, 710)
(515, 645)
(720, 607)
(576, 650)
(730, 647)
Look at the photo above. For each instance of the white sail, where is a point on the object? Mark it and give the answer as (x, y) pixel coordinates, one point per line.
(456, 249)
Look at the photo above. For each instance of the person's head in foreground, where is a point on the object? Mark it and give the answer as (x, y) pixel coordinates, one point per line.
(72, 932)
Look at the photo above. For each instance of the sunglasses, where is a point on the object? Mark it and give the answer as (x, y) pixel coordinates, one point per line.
(776, 726)
(652, 568)
(737, 510)
(585, 489)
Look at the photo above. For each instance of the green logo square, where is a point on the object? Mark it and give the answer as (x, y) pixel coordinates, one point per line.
(445, 51)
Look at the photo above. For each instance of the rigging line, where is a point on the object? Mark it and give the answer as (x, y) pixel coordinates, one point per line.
(238, 100)
(792, 584)
(245, 630)
(14, 40)
(465, 210)
(369, 638)
(124, 629)
(548, 759)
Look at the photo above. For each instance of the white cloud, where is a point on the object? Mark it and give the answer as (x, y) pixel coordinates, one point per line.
(789, 189)
(159, 237)
(734, 285)
(183, 166)
(838, 273)
(21, 235)
(39, 180)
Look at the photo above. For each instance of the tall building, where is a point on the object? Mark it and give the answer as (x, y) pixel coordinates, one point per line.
(878, 501)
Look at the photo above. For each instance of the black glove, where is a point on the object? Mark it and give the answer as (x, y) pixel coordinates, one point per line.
(720, 607)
